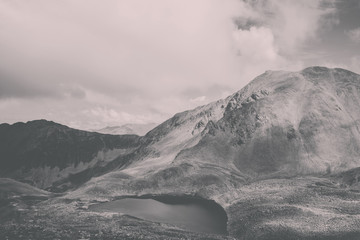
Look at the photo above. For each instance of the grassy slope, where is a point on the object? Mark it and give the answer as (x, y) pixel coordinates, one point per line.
(12, 187)
(297, 208)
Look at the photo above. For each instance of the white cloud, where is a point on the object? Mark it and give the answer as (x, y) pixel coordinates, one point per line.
(256, 44)
(272, 34)
(138, 57)
(109, 116)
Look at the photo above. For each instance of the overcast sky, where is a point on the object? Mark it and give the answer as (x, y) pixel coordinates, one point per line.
(90, 64)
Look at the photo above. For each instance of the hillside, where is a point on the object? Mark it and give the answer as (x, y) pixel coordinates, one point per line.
(42, 152)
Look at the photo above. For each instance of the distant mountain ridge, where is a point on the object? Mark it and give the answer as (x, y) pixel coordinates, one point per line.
(42, 152)
(136, 129)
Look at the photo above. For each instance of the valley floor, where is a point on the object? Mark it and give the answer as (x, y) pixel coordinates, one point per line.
(292, 208)
(70, 219)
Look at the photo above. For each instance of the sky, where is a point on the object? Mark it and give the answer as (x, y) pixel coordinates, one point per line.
(90, 64)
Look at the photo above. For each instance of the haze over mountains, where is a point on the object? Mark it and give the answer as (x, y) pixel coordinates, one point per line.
(137, 129)
(253, 152)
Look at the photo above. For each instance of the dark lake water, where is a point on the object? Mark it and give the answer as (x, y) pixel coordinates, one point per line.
(188, 213)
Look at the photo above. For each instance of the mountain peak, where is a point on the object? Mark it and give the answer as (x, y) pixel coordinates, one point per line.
(287, 122)
(44, 123)
(316, 69)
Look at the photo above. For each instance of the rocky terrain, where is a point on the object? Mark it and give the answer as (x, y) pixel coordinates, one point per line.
(281, 156)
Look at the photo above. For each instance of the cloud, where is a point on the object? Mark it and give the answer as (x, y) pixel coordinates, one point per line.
(146, 59)
(256, 44)
(13, 86)
(198, 99)
(275, 35)
(291, 23)
(110, 115)
(105, 46)
(354, 35)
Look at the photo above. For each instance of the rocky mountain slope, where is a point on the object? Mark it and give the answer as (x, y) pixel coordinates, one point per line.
(287, 124)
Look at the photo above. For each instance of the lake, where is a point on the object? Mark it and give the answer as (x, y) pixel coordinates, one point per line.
(189, 213)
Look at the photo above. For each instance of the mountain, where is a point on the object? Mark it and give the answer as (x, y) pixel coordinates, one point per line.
(281, 157)
(271, 152)
(287, 124)
(135, 129)
(282, 124)
(43, 152)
